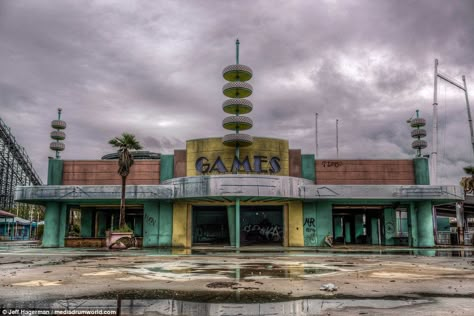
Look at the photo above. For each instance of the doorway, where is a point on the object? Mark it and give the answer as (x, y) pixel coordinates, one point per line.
(261, 224)
(358, 225)
(210, 225)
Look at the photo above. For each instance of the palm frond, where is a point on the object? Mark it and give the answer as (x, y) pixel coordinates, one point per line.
(126, 140)
(469, 170)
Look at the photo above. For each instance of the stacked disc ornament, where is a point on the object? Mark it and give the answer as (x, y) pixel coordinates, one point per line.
(58, 135)
(237, 89)
(418, 133)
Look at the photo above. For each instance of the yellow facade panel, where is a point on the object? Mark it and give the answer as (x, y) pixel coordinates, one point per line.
(295, 224)
(264, 154)
(180, 225)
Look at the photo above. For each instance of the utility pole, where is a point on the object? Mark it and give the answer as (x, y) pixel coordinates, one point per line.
(434, 164)
(337, 138)
(434, 153)
(316, 135)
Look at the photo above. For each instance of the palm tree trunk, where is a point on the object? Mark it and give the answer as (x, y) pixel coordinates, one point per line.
(122, 204)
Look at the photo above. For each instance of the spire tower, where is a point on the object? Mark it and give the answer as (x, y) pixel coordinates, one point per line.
(237, 89)
(58, 135)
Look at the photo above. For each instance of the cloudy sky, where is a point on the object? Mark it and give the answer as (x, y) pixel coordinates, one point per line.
(153, 68)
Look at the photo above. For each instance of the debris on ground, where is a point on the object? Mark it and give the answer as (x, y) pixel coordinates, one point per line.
(330, 287)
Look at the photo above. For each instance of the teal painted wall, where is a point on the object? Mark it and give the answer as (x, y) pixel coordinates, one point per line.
(231, 223)
(422, 172)
(317, 223)
(166, 167)
(87, 220)
(390, 226)
(166, 224)
(324, 221)
(412, 226)
(425, 224)
(157, 224)
(308, 170)
(151, 224)
(51, 225)
(309, 225)
(55, 171)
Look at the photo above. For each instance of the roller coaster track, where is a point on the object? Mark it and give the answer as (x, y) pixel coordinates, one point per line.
(16, 167)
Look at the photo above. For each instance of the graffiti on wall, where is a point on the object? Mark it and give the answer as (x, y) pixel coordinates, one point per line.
(335, 164)
(150, 220)
(264, 232)
(310, 237)
(210, 233)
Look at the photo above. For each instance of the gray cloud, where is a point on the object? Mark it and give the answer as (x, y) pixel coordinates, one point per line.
(155, 70)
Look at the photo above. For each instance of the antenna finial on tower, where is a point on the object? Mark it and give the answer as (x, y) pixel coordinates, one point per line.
(237, 43)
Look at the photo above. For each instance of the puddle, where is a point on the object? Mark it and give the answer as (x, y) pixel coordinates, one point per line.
(244, 271)
(173, 307)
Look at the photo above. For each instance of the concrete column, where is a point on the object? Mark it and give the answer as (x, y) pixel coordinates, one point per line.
(390, 226)
(323, 221)
(295, 224)
(358, 227)
(308, 170)
(87, 219)
(237, 223)
(347, 232)
(55, 171)
(412, 226)
(101, 224)
(425, 224)
(165, 231)
(422, 172)
(180, 225)
(374, 231)
(460, 222)
(231, 223)
(151, 224)
(138, 228)
(51, 225)
(63, 223)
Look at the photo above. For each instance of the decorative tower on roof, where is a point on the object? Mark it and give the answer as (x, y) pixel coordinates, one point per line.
(58, 135)
(418, 133)
(237, 89)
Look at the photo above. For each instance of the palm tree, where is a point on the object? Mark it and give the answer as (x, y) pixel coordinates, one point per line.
(125, 143)
(467, 183)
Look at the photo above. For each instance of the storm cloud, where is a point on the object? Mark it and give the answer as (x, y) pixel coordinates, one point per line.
(154, 69)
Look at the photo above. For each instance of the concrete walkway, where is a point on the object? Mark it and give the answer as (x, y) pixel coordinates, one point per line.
(377, 281)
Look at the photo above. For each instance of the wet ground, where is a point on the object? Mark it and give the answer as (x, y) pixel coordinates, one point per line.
(252, 281)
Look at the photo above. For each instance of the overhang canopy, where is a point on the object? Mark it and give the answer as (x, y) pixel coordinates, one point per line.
(245, 187)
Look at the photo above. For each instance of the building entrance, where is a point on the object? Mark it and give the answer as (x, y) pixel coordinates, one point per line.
(358, 225)
(210, 225)
(261, 224)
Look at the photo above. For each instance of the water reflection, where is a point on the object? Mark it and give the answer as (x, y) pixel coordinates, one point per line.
(448, 252)
(242, 271)
(301, 307)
